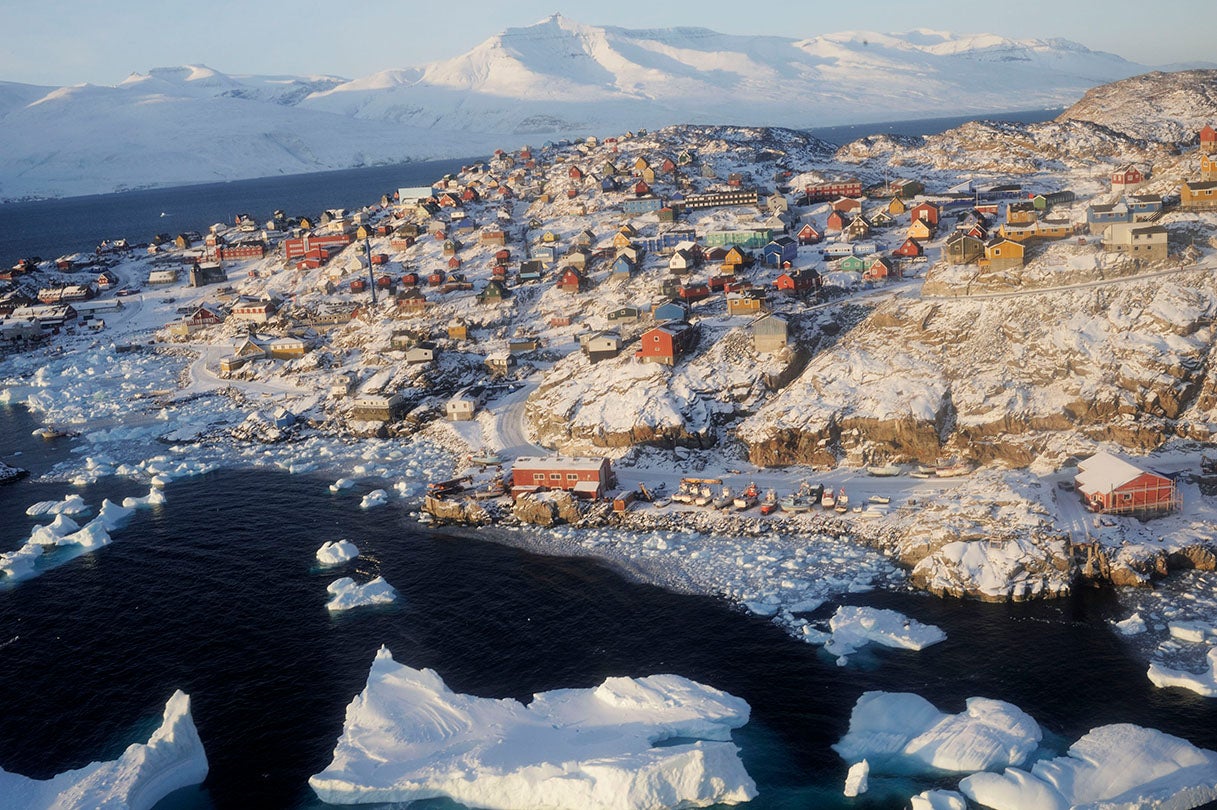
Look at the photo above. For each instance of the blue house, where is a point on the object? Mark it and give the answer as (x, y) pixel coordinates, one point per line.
(780, 251)
(642, 205)
(671, 311)
(608, 184)
(622, 268)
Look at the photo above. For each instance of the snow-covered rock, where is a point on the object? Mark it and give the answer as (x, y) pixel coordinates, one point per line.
(345, 593)
(336, 552)
(407, 736)
(904, 733)
(854, 627)
(1117, 767)
(172, 758)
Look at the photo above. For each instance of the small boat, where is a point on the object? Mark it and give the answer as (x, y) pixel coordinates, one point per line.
(660, 503)
(49, 433)
(954, 470)
(880, 499)
(869, 514)
(920, 474)
(795, 503)
(770, 504)
(828, 500)
(857, 509)
(704, 497)
(724, 499)
(884, 470)
(685, 493)
(746, 499)
(842, 498)
(924, 470)
(841, 510)
(485, 459)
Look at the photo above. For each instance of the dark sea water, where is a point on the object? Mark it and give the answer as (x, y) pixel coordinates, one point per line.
(51, 228)
(217, 593)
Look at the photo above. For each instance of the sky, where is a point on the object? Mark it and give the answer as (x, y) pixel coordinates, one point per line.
(63, 42)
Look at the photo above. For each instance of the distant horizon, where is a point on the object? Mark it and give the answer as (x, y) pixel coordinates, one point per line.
(90, 44)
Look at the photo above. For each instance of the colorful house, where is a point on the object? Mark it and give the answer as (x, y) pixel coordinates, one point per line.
(963, 248)
(921, 230)
(780, 252)
(1111, 485)
(927, 212)
(666, 343)
(1125, 177)
(1002, 254)
(797, 282)
(909, 249)
(1198, 195)
(808, 235)
(770, 334)
(584, 477)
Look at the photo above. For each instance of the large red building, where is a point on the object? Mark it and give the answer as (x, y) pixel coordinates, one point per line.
(666, 343)
(851, 187)
(299, 247)
(1112, 485)
(585, 477)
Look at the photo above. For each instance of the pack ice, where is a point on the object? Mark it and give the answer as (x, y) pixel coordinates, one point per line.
(172, 758)
(336, 552)
(408, 737)
(346, 593)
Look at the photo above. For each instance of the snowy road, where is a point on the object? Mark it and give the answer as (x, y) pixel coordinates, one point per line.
(510, 424)
(203, 378)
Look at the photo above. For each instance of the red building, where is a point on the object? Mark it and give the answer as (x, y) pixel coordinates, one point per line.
(585, 477)
(1112, 485)
(299, 247)
(666, 343)
(911, 249)
(808, 235)
(242, 250)
(1208, 140)
(1126, 176)
(851, 187)
(571, 280)
(837, 221)
(927, 212)
(797, 282)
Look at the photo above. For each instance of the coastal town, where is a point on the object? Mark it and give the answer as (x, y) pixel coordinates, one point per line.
(610, 319)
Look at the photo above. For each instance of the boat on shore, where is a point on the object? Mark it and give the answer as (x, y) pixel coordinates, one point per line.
(842, 497)
(724, 499)
(828, 500)
(879, 499)
(954, 468)
(770, 504)
(746, 499)
(885, 470)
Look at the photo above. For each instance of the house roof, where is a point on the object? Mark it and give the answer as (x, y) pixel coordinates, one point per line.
(558, 463)
(1104, 472)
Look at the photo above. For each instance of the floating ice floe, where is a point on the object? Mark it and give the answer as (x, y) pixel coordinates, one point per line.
(377, 497)
(154, 497)
(856, 781)
(70, 505)
(1134, 625)
(337, 552)
(19, 564)
(407, 736)
(938, 800)
(173, 758)
(1114, 767)
(904, 733)
(53, 533)
(341, 485)
(345, 593)
(1203, 683)
(112, 515)
(854, 627)
(1194, 632)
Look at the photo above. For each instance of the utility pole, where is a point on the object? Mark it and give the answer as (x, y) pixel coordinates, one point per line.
(367, 252)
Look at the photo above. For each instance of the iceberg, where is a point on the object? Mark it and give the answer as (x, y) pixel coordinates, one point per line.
(52, 534)
(345, 593)
(856, 781)
(408, 737)
(899, 732)
(1114, 767)
(19, 564)
(70, 505)
(938, 800)
(855, 627)
(337, 552)
(172, 758)
(341, 484)
(112, 515)
(155, 497)
(1202, 683)
(377, 497)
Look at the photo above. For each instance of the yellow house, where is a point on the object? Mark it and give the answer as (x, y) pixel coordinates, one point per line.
(641, 164)
(1002, 254)
(1208, 167)
(1054, 229)
(897, 207)
(621, 240)
(1196, 195)
(745, 303)
(1019, 233)
(734, 258)
(920, 230)
(458, 330)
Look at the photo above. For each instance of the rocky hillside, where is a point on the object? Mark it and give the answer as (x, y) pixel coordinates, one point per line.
(1005, 380)
(1164, 107)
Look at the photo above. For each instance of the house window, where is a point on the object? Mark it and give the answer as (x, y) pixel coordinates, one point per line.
(572, 476)
(1126, 496)
(555, 476)
(538, 476)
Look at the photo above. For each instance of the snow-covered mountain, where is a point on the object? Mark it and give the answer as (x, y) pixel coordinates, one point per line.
(176, 125)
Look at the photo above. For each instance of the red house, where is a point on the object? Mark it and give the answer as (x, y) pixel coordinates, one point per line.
(641, 189)
(1126, 176)
(693, 292)
(1208, 140)
(850, 187)
(837, 221)
(666, 343)
(910, 249)
(1112, 485)
(847, 205)
(571, 280)
(808, 235)
(585, 477)
(926, 211)
(797, 282)
(575, 173)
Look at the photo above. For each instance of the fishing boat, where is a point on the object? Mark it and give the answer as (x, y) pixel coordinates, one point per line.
(704, 497)
(685, 493)
(828, 500)
(842, 498)
(724, 499)
(840, 510)
(660, 503)
(954, 469)
(770, 504)
(919, 474)
(880, 499)
(746, 499)
(884, 470)
(926, 470)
